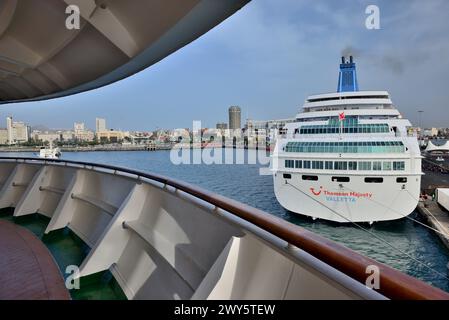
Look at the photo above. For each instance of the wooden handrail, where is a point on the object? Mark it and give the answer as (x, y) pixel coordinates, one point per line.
(393, 283)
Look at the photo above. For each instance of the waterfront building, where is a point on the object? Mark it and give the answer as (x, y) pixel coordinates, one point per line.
(21, 132)
(264, 131)
(86, 135)
(222, 126)
(17, 132)
(211, 134)
(179, 134)
(78, 127)
(161, 136)
(3, 136)
(9, 130)
(67, 135)
(256, 124)
(46, 136)
(431, 132)
(112, 136)
(141, 137)
(100, 124)
(267, 124)
(235, 115)
(81, 134)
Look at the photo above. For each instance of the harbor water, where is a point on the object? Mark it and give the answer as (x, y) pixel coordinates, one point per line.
(243, 182)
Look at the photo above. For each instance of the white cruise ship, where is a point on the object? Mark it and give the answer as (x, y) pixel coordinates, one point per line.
(349, 157)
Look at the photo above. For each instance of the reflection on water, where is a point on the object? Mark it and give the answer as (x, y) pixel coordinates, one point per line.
(243, 183)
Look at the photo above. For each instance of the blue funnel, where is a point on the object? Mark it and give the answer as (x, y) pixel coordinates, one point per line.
(347, 79)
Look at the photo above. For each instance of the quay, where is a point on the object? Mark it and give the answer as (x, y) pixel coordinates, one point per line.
(436, 175)
(118, 147)
(93, 148)
(437, 218)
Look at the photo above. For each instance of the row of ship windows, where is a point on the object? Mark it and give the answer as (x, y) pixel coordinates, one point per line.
(361, 128)
(346, 179)
(346, 147)
(346, 165)
(347, 97)
(367, 117)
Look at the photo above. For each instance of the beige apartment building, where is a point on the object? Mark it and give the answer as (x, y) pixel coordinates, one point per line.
(3, 136)
(17, 132)
(81, 133)
(112, 135)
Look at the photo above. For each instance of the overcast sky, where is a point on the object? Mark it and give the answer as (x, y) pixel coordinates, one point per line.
(268, 58)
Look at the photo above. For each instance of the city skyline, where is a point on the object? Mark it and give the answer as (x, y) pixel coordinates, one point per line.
(101, 125)
(281, 55)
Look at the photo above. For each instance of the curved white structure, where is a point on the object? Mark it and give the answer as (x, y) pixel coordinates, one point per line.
(162, 243)
(431, 147)
(363, 168)
(165, 239)
(41, 59)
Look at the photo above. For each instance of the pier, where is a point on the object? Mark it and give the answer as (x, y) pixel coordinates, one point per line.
(149, 147)
(146, 147)
(436, 175)
(437, 218)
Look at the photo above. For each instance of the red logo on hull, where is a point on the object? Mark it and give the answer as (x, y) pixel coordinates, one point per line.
(315, 192)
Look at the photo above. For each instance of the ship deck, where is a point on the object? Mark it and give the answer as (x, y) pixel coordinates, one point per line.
(62, 248)
(27, 269)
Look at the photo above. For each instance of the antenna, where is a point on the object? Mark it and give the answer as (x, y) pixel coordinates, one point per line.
(419, 121)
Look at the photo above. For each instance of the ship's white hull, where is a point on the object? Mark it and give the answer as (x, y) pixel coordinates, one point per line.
(356, 201)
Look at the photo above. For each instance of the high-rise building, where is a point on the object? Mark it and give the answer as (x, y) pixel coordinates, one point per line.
(100, 125)
(17, 131)
(20, 132)
(9, 129)
(235, 114)
(222, 126)
(3, 136)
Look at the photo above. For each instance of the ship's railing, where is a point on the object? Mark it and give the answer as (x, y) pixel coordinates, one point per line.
(393, 283)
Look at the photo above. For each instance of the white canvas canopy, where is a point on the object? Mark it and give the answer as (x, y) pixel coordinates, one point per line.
(431, 147)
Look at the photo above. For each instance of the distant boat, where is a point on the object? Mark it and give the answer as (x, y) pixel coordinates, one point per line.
(50, 152)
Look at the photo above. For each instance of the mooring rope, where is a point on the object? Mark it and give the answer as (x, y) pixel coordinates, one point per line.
(371, 233)
(405, 216)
